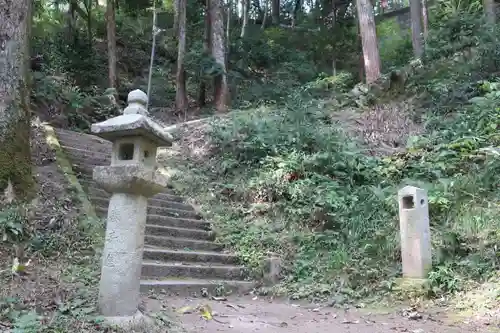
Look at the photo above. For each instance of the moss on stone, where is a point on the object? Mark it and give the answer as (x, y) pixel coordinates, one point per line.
(15, 157)
(67, 169)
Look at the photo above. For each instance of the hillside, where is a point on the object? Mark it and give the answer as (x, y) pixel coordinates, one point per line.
(315, 182)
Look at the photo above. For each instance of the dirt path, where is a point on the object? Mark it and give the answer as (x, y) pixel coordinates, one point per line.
(245, 315)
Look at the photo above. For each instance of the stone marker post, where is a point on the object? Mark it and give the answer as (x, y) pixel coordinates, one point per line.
(415, 232)
(131, 178)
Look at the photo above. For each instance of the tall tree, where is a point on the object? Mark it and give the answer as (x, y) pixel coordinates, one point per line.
(181, 101)
(425, 19)
(229, 15)
(266, 14)
(111, 35)
(218, 49)
(245, 8)
(88, 8)
(15, 155)
(416, 27)
(489, 10)
(202, 91)
(369, 41)
(275, 11)
(296, 9)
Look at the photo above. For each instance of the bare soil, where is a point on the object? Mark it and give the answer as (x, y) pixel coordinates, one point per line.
(252, 314)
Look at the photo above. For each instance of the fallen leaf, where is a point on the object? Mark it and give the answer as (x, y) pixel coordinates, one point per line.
(206, 312)
(345, 321)
(18, 268)
(219, 299)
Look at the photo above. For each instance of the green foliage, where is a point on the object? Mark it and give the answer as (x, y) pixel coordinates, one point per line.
(461, 31)
(262, 67)
(326, 86)
(13, 223)
(448, 10)
(27, 323)
(395, 46)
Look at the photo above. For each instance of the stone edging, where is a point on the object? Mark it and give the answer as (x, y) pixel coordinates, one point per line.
(67, 169)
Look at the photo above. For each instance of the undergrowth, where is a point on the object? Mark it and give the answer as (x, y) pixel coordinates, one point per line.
(293, 183)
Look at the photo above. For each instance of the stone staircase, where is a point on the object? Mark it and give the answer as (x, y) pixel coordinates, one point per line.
(180, 256)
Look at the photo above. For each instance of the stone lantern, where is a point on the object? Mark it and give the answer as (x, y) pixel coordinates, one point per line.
(131, 178)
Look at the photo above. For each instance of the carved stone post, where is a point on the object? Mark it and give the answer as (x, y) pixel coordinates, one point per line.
(415, 232)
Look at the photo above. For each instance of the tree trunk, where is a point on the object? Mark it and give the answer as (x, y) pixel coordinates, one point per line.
(71, 17)
(88, 8)
(359, 47)
(425, 19)
(296, 9)
(266, 13)
(181, 101)
(15, 153)
(176, 14)
(228, 27)
(317, 12)
(371, 56)
(489, 10)
(275, 11)
(202, 95)
(416, 27)
(221, 93)
(245, 7)
(111, 32)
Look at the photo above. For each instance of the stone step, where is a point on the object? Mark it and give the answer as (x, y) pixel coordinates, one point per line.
(167, 221)
(178, 222)
(158, 230)
(81, 138)
(91, 151)
(104, 202)
(189, 256)
(188, 287)
(178, 213)
(181, 243)
(87, 164)
(154, 269)
(170, 212)
(95, 191)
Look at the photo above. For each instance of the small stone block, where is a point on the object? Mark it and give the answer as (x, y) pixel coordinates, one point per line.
(272, 270)
(415, 232)
(412, 288)
(137, 321)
